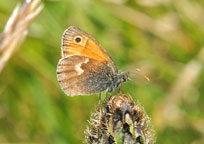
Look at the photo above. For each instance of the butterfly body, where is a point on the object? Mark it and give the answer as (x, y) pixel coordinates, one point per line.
(85, 67)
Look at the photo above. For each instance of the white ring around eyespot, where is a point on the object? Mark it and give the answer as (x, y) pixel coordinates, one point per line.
(76, 38)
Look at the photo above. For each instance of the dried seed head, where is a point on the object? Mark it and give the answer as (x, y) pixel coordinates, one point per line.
(119, 120)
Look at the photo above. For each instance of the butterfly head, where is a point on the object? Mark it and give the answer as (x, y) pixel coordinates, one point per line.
(123, 76)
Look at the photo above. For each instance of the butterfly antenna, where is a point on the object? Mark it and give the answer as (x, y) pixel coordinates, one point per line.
(143, 75)
(147, 78)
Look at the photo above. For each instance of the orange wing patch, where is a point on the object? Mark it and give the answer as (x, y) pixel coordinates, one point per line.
(77, 42)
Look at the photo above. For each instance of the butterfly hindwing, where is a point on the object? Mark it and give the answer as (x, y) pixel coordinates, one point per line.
(81, 75)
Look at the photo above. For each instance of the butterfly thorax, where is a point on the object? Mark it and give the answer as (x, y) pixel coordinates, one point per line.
(117, 80)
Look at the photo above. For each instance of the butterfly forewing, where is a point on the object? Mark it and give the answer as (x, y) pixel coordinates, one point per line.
(87, 45)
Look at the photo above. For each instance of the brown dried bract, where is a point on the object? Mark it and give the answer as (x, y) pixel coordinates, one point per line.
(120, 120)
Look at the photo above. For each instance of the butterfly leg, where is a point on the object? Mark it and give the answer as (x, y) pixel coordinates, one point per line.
(99, 97)
(120, 90)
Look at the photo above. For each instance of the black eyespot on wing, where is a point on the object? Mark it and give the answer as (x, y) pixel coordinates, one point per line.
(78, 39)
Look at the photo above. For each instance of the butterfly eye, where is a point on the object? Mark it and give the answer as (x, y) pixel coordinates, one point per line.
(78, 39)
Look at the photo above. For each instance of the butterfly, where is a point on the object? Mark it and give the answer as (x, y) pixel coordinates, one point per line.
(85, 68)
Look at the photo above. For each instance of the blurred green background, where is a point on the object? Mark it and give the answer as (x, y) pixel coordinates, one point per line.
(163, 38)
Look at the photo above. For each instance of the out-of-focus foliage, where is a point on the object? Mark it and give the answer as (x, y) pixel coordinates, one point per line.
(163, 38)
